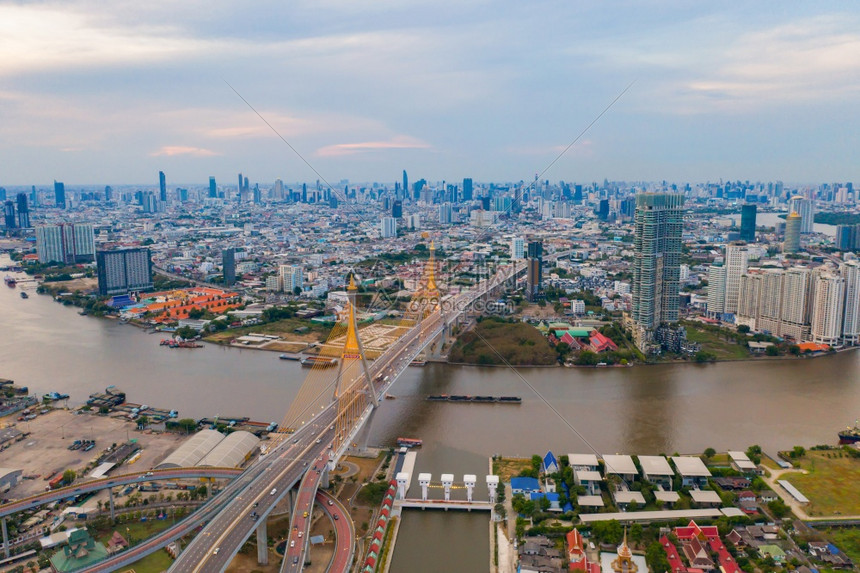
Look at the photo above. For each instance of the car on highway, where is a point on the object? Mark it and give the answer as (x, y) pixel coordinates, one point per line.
(335, 517)
(274, 491)
(330, 502)
(292, 543)
(304, 514)
(216, 550)
(295, 559)
(302, 532)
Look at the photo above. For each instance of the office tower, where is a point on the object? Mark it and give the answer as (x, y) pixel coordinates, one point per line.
(66, 243)
(603, 210)
(737, 258)
(332, 201)
(291, 278)
(405, 184)
(397, 209)
(9, 215)
(517, 248)
(59, 194)
(717, 290)
(850, 271)
(213, 189)
(124, 270)
(845, 237)
(446, 214)
(803, 207)
(467, 189)
(23, 211)
(793, 225)
(577, 194)
(827, 307)
(389, 227)
(748, 215)
(162, 187)
(108, 194)
(241, 184)
(658, 222)
(534, 271)
(413, 221)
(228, 264)
(148, 202)
(2, 193)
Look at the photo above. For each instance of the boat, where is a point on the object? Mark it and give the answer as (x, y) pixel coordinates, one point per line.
(24, 294)
(409, 442)
(390, 397)
(510, 399)
(288, 357)
(438, 398)
(460, 398)
(418, 363)
(320, 361)
(10, 281)
(850, 435)
(484, 399)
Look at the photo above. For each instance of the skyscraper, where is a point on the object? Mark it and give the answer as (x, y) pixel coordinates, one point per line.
(397, 209)
(737, 258)
(658, 222)
(803, 207)
(66, 243)
(59, 194)
(534, 271)
(717, 290)
(850, 271)
(845, 237)
(793, 225)
(213, 189)
(446, 214)
(748, 216)
(9, 215)
(291, 277)
(162, 187)
(467, 189)
(517, 248)
(228, 264)
(827, 307)
(23, 211)
(405, 184)
(124, 270)
(388, 227)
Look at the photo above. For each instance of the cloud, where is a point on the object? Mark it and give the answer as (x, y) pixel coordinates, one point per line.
(173, 150)
(399, 142)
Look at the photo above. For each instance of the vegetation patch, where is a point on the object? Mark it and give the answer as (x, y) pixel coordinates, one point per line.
(495, 341)
(831, 482)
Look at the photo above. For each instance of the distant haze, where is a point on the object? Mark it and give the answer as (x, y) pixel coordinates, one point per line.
(114, 92)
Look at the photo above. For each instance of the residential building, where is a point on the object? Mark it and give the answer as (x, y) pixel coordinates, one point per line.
(388, 227)
(793, 226)
(23, 211)
(827, 308)
(68, 243)
(805, 208)
(716, 290)
(292, 277)
(446, 214)
(124, 270)
(850, 271)
(228, 264)
(517, 248)
(534, 271)
(658, 222)
(736, 261)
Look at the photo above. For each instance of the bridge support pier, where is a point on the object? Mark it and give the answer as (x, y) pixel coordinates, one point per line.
(324, 479)
(363, 436)
(5, 539)
(110, 499)
(262, 543)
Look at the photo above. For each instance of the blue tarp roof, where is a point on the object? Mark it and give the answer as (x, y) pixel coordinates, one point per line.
(549, 461)
(525, 483)
(539, 494)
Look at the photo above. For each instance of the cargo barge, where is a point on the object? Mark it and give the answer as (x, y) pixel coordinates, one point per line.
(475, 399)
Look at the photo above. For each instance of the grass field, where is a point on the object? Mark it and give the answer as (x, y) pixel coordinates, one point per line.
(711, 342)
(153, 563)
(848, 540)
(831, 484)
(138, 531)
(283, 328)
(506, 468)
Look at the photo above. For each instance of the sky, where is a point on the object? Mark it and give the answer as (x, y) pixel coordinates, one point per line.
(112, 92)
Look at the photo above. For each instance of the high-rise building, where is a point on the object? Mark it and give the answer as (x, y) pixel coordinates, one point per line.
(124, 270)
(291, 277)
(796, 303)
(658, 222)
(827, 314)
(23, 211)
(846, 237)
(467, 189)
(748, 216)
(805, 208)
(793, 226)
(736, 261)
(717, 290)
(66, 243)
(603, 209)
(59, 194)
(397, 209)
(213, 188)
(534, 271)
(9, 218)
(389, 227)
(446, 214)
(405, 183)
(162, 187)
(850, 271)
(517, 248)
(228, 264)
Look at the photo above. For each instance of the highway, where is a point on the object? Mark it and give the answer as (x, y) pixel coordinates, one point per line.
(300, 519)
(344, 530)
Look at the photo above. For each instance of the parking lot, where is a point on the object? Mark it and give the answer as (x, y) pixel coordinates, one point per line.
(44, 452)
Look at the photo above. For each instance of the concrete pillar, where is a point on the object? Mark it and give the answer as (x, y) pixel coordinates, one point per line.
(402, 484)
(110, 499)
(424, 482)
(262, 543)
(470, 480)
(5, 539)
(324, 481)
(492, 484)
(447, 482)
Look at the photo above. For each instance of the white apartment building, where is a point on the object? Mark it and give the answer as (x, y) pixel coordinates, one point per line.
(827, 307)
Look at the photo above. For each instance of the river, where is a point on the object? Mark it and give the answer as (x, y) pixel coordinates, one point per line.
(641, 410)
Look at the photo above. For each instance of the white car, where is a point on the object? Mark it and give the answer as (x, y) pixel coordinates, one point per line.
(215, 551)
(293, 543)
(274, 491)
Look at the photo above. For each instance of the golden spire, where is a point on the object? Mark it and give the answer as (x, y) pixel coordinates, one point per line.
(430, 270)
(350, 347)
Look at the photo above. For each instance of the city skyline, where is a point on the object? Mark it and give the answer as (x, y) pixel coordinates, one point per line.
(115, 94)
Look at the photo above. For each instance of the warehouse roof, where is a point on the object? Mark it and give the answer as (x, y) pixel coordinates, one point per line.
(232, 451)
(192, 450)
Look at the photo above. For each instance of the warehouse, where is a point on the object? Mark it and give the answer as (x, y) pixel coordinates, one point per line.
(232, 452)
(193, 450)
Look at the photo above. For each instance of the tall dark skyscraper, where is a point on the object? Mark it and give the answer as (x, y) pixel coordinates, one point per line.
(658, 223)
(213, 188)
(603, 210)
(228, 262)
(59, 194)
(9, 215)
(108, 193)
(405, 183)
(241, 183)
(23, 211)
(397, 209)
(534, 270)
(748, 214)
(467, 189)
(162, 187)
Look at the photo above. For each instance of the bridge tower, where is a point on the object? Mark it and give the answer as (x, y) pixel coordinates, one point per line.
(427, 299)
(354, 389)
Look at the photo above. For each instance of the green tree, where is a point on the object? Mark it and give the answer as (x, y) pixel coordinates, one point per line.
(743, 329)
(710, 452)
(142, 422)
(754, 453)
(794, 349)
(772, 350)
(655, 557)
(797, 452)
(69, 476)
(778, 508)
(196, 313)
(704, 356)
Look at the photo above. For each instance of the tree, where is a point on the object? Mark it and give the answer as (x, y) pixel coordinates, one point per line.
(754, 453)
(710, 452)
(656, 558)
(794, 349)
(142, 422)
(297, 291)
(196, 313)
(69, 476)
(772, 350)
(743, 329)
(778, 508)
(704, 356)
(797, 452)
